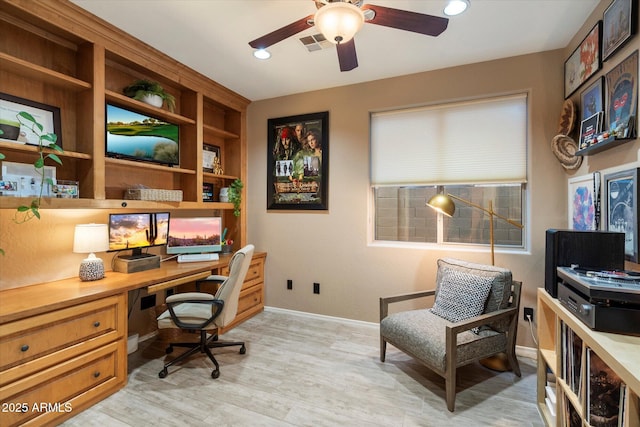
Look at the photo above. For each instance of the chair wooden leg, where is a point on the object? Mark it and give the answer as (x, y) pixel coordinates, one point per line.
(513, 362)
(383, 349)
(450, 389)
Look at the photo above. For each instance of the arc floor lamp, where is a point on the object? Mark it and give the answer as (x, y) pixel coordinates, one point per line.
(444, 203)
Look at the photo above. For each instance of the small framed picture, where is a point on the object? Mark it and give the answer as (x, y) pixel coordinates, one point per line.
(209, 155)
(207, 192)
(584, 202)
(591, 99)
(589, 129)
(584, 62)
(621, 191)
(13, 130)
(619, 25)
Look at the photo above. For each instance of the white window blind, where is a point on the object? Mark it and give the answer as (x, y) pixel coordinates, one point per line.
(472, 142)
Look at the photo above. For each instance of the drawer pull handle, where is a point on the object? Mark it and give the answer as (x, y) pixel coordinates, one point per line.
(24, 347)
(96, 324)
(96, 374)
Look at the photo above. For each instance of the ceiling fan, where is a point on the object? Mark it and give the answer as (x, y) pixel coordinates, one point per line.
(340, 20)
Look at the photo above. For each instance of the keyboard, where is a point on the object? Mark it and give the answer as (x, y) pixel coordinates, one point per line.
(197, 257)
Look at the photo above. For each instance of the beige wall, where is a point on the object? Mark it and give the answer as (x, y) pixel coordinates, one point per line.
(333, 247)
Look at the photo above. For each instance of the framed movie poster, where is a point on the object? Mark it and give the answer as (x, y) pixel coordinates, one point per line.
(619, 25)
(621, 190)
(584, 62)
(591, 99)
(298, 162)
(584, 202)
(622, 97)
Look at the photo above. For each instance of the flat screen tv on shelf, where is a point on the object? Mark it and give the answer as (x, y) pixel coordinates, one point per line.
(194, 235)
(136, 136)
(137, 231)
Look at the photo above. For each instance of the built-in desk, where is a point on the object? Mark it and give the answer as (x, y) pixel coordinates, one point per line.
(63, 344)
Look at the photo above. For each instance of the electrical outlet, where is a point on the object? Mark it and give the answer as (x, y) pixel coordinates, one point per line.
(289, 284)
(316, 288)
(528, 312)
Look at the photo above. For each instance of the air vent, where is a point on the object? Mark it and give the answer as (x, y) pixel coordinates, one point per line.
(315, 42)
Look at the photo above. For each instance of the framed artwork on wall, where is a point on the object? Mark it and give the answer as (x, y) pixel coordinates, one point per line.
(48, 116)
(622, 97)
(298, 162)
(621, 191)
(209, 155)
(584, 62)
(584, 202)
(592, 99)
(619, 24)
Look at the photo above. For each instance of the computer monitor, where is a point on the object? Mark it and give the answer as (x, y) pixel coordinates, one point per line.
(137, 231)
(194, 235)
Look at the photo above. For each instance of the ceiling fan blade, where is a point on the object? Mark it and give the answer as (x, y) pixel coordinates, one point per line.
(347, 55)
(408, 21)
(281, 33)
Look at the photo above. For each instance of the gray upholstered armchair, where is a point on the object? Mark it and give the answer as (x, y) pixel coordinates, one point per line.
(474, 316)
(201, 312)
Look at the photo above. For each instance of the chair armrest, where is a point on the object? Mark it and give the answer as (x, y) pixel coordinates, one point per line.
(483, 319)
(193, 298)
(214, 278)
(385, 301)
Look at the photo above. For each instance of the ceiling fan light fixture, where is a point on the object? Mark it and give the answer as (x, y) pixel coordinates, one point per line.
(339, 21)
(456, 7)
(262, 54)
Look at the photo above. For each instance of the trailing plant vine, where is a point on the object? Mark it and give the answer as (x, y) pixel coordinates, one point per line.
(45, 140)
(235, 195)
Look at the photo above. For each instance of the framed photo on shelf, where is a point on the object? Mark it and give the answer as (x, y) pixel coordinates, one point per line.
(622, 97)
(621, 192)
(48, 116)
(209, 155)
(298, 162)
(619, 25)
(584, 62)
(584, 202)
(591, 99)
(207, 192)
(589, 129)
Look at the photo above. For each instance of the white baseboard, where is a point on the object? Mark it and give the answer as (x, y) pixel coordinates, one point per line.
(528, 352)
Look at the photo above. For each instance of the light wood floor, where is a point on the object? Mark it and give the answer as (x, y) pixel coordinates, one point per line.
(304, 371)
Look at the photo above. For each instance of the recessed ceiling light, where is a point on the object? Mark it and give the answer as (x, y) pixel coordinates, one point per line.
(262, 54)
(456, 7)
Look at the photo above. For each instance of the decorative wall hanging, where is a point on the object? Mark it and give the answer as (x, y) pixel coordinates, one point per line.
(298, 162)
(619, 25)
(584, 62)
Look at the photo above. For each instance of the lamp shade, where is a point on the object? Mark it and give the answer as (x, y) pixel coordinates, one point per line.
(87, 239)
(443, 204)
(90, 238)
(339, 21)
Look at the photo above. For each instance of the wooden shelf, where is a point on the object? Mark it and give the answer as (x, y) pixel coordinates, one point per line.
(604, 145)
(7, 145)
(7, 202)
(150, 166)
(218, 176)
(219, 132)
(27, 69)
(148, 109)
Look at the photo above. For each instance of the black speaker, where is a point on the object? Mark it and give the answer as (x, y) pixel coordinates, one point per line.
(595, 250)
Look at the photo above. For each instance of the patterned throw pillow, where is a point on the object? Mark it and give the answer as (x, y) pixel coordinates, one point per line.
(461, 296)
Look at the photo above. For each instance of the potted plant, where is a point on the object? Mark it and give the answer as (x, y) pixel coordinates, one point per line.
(151, 93)
(235, 195)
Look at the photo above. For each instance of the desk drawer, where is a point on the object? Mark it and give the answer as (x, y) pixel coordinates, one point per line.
(254, 275)
(38, 342)
(54, 392)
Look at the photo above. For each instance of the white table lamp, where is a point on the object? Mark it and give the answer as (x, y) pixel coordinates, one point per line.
(87, 239)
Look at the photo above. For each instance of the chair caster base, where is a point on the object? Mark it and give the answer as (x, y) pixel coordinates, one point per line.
(215, 373)
(243, 350)
(163, 373)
